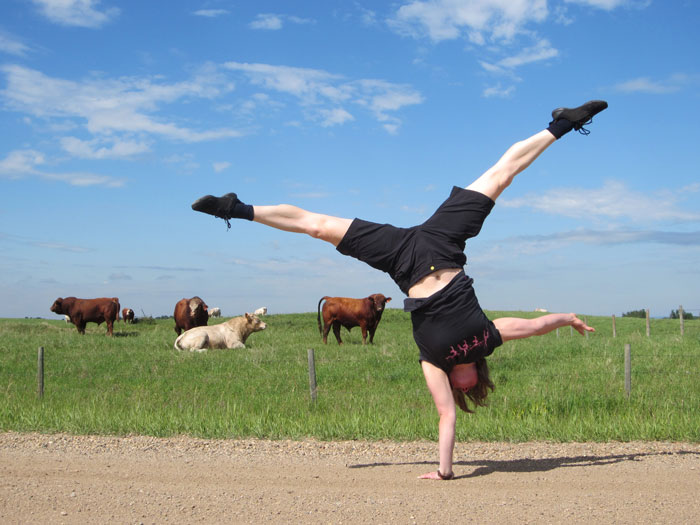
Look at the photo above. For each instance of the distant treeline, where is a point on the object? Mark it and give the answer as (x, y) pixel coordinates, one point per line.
(675, 314)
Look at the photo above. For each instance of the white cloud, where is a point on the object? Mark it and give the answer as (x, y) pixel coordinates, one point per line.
(20, 162)
(93, 150)
(111, 105)
(221, 166)
(613, 201)
(83, 179)
(23, 163)
(532, 244)
(498, 91)
(81, 13)
(609, 5)
(321, 93)
(542, 50)
(672, 84)
(367, 16)
(267, 21)
(11, 45)
(274, 22)
(448, 19)
(50, 245)
(211, 13)
(332, 117)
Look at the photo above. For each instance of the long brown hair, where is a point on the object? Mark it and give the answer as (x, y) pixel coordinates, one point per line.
(479, 392)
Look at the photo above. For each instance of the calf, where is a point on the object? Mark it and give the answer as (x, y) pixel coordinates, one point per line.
(344, 311)
(83, 311)
(190, 313)
(128, 315)
(229, 334)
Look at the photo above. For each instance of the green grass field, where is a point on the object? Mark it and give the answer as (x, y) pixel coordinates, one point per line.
(561, 387)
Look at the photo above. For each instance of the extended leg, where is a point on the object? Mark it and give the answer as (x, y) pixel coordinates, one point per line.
(293, 219)
(281, 216)
(521, 154)
(518, 157)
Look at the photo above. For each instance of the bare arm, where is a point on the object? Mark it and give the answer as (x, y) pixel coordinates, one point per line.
(516, 328)
(439, 386)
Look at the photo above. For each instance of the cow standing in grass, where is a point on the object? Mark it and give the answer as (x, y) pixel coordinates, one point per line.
(128, 315)
(190, 313)
(345, 311)
(83, 311)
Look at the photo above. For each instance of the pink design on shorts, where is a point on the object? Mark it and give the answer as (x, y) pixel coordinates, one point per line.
(464, 347)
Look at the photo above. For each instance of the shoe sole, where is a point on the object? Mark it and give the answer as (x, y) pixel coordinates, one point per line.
(582, 114)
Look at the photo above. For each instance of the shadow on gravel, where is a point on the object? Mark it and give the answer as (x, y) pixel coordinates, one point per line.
(486, 467)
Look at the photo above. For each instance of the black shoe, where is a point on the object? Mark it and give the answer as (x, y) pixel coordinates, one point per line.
(581, 115)
(221, 207)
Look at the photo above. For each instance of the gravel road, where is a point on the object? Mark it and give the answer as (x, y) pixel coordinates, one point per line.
(95, 479)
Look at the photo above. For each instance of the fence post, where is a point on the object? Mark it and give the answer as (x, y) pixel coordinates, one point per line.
(648, 330)
(614, 327)
(40, 372)
(680, 314)
(312, 374)
(628, 369)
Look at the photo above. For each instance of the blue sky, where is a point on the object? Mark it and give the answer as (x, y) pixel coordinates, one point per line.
(115, 116)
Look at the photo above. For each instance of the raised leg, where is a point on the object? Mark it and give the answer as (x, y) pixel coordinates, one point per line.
(521, 154)
(518, 157)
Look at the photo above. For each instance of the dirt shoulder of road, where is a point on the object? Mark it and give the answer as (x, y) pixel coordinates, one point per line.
(61, 478)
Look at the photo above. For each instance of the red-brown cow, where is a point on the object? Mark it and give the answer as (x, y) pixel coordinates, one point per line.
(83, 311)
(190, 313)
(344, 311)
(128, 315)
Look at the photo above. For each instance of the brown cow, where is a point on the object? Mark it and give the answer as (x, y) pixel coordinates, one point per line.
(83, 311)
(190, 313)
(344, 311)
(128, 315)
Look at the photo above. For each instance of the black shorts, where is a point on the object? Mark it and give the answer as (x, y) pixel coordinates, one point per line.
(409, 254)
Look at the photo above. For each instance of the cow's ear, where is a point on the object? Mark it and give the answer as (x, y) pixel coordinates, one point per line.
(388, 299)
(248, 316)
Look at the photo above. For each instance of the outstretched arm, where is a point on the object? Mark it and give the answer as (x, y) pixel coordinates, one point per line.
(516, 328)
(439, 386)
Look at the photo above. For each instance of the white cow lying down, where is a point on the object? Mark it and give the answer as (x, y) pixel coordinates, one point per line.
(229, 334)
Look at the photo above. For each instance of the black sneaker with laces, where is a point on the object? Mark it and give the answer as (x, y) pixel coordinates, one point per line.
(581, 115)
(221, 207)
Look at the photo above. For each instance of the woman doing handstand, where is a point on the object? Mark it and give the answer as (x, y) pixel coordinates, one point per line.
(452, 332)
